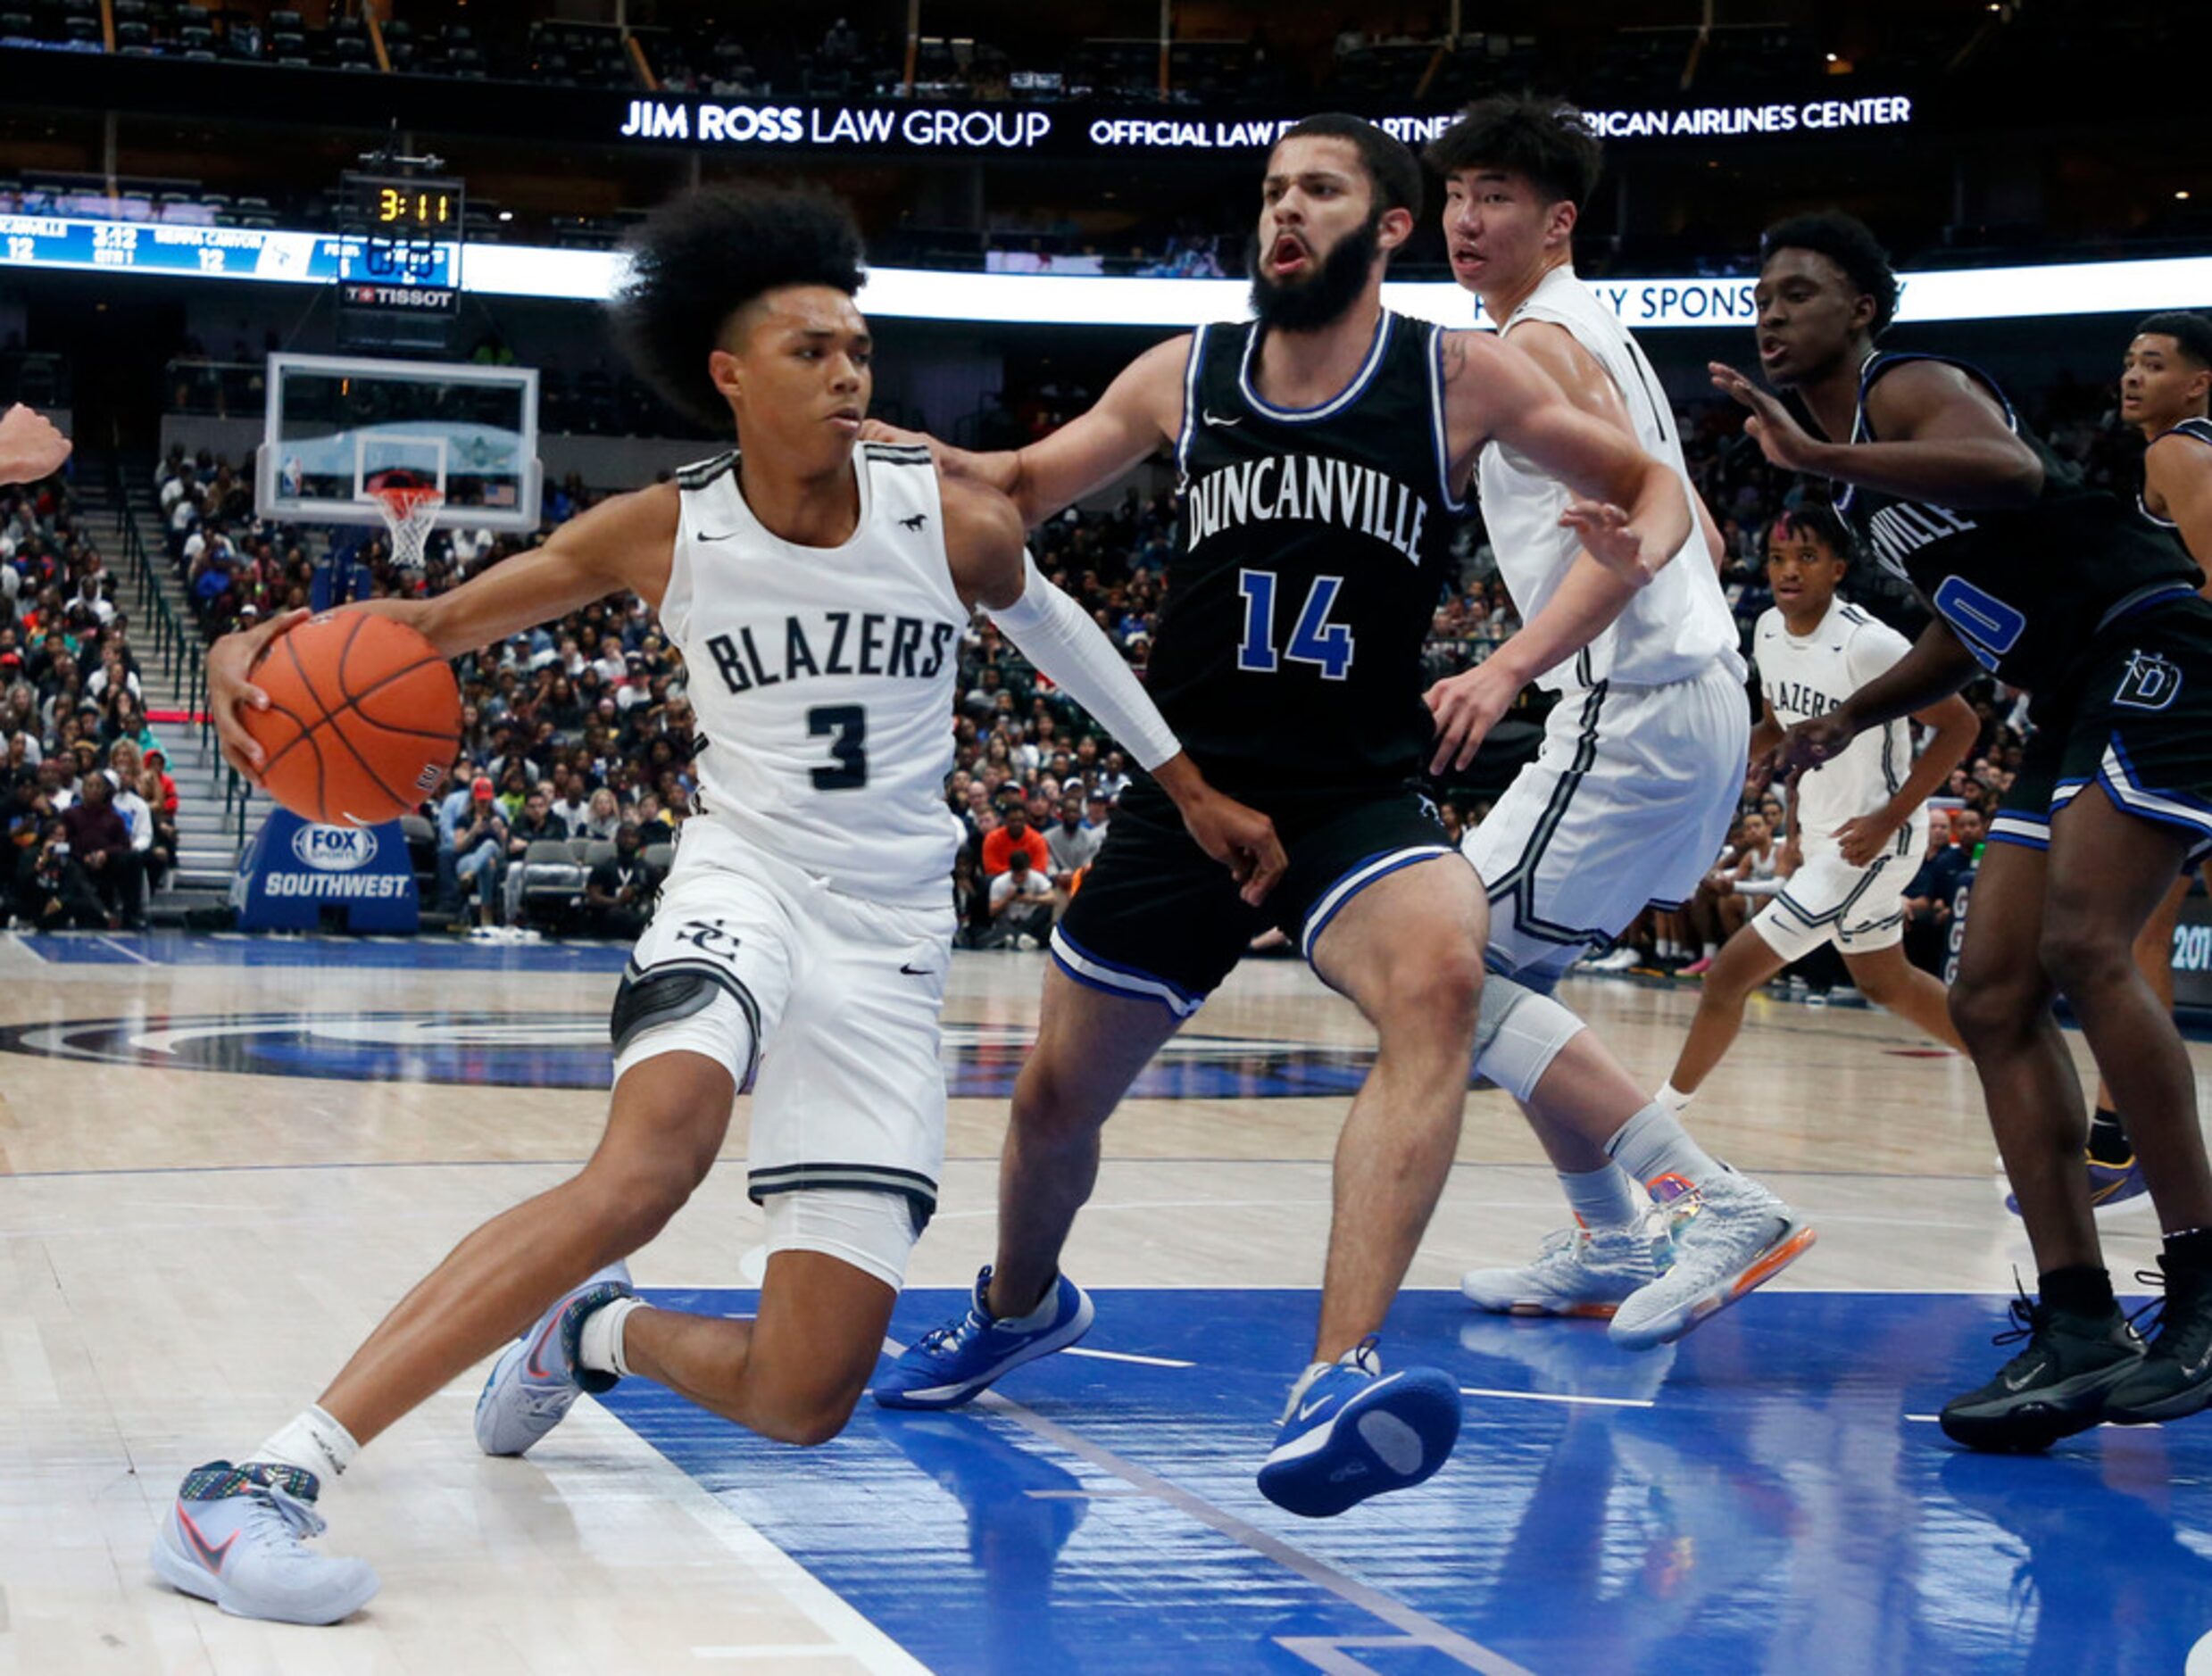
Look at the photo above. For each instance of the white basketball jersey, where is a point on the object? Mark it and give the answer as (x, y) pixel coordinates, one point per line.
(822, 678)
(1680, 624)
(1809, 677)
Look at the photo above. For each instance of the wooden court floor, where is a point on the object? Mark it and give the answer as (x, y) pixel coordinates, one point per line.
(189, 1247)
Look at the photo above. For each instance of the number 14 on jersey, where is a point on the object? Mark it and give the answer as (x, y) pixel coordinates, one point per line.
(1313, 639)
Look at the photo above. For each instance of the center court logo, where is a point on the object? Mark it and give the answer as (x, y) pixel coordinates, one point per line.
(570, 1050)
(334, 848)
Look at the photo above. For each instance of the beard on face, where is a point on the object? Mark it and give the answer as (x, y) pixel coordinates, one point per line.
(1322, 299)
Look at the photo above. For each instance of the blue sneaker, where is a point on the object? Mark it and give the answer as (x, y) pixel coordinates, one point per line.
(1349, 1431)
(2109, 1184)
(237, 1536)
(949, 1364)
(537, 1380)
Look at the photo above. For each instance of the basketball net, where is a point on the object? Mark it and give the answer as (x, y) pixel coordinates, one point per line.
(408, 514)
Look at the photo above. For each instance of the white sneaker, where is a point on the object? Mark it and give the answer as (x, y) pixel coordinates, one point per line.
(1730, 1235)
(1580, 1271)
(237, 1536)
(538, 1377)
(1621, 960)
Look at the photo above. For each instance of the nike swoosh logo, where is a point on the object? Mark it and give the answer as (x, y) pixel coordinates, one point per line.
(207, 1553)
(1310, 1409)
(2021, 1383)
(537, 1367)
(725, 536)
(1224, 420)
(2195, 1369)
(915, 971)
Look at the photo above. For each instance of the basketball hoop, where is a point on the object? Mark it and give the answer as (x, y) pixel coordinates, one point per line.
(409, 511)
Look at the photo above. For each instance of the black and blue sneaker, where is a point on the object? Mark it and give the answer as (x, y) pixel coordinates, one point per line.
(949, 1364)
(1351, 1431)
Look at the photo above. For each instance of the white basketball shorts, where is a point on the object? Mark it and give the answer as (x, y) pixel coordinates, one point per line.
(1628, 802)
(1827, 899)
(826, 1003)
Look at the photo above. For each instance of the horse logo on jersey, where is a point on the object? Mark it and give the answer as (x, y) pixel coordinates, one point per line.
(2153, 682)
(915, 522)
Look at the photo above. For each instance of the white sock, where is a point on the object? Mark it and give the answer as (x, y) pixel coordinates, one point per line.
(1711, 951)
(1669, 949)
(312, 1442)
(1674, 1099)
(1603, 1198)
(599, 1347)
(1038, 1317)
(1653, 1143)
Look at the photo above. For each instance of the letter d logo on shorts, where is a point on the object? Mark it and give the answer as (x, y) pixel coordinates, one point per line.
(2151, 683)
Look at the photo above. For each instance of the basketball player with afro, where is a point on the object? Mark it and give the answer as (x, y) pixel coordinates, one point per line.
(2033, 577)
(817, 587)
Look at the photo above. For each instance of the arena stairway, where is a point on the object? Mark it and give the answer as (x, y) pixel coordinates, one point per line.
(122, 514)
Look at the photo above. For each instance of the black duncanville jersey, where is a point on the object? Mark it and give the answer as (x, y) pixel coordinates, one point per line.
(2196, 430)
(1315, 545)
(2023, 588)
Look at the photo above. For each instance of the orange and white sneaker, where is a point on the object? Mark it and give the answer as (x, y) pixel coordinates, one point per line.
(1580, 1271)
(1729, 1237)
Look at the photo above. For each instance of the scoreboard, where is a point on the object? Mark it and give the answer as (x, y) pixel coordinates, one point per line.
(399, 270)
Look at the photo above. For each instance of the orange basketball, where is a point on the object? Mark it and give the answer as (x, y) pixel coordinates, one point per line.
(363, 716)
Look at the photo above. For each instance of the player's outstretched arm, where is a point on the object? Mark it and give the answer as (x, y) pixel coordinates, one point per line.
(1588, 599)
(1141, 411)
(624, 544)
(1935, 669)
(993, 569)
(1633, 516)
(1947, 440)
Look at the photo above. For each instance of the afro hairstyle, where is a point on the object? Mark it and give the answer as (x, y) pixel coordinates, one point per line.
(702, 256)
(1846, 241)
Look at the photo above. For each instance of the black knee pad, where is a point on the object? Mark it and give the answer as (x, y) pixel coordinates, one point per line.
(658, 997)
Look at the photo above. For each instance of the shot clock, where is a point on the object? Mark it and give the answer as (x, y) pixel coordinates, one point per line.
(400, 268)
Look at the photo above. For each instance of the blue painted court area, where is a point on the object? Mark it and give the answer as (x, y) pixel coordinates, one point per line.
(1761, 1497)
(233, 948)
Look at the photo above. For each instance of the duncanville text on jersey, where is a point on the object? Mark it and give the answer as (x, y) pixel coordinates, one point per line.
(1308, 487)
(833, 643)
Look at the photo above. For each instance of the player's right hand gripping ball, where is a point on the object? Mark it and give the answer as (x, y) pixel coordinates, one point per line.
(363, 718)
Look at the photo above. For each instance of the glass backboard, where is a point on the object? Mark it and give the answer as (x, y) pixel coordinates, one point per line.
(339, 428)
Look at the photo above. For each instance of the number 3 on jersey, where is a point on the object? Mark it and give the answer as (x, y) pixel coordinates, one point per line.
(1314, 640)
(846, 727)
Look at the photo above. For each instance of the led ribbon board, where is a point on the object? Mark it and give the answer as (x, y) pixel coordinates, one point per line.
(590, 276)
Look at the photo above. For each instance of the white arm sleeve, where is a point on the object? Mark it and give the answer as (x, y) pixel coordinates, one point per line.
(1054, 632)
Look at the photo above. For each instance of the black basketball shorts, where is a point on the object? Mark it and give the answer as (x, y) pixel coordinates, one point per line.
(2134, 718)
(1159, 919)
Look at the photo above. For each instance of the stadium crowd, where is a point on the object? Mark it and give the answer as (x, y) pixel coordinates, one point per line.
(87, 800)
